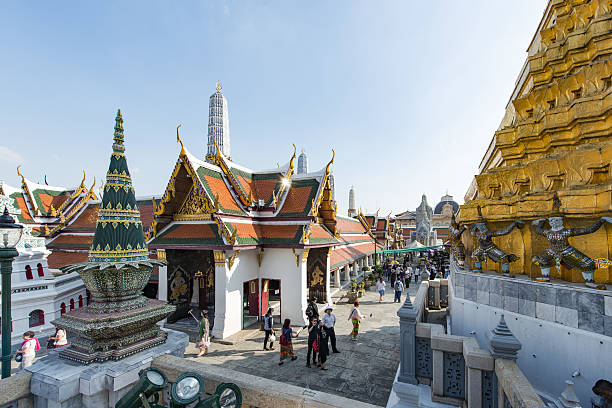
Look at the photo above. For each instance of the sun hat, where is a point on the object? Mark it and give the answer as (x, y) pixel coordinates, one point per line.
(328, 307)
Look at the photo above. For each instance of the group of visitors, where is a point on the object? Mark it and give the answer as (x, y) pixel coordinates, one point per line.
(321, 333)
(30, 345)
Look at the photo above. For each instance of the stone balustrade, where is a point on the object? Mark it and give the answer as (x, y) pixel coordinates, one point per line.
(458, 371)
(16, 391)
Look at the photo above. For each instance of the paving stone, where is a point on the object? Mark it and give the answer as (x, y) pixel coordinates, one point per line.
(526, 307)
(566, 316)
(590, 303)
(591, 321)
(510, 289)
(483, 283)
(527, 291)
(567, 298)
(546, 294)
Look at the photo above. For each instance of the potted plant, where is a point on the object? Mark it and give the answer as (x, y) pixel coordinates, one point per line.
(361, 289)
(352, 293)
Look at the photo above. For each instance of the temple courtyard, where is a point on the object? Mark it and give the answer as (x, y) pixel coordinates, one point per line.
(364, 370)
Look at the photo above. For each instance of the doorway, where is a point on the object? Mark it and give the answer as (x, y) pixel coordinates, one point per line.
(271, 297)
(250, 303)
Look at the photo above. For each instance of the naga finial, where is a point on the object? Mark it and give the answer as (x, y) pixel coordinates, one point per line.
(83, 180)
(330, 162)
(46, 180)
(292, 158)
(21, 175)
(178, 139)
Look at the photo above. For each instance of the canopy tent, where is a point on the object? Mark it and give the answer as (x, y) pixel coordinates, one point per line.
(403, 250)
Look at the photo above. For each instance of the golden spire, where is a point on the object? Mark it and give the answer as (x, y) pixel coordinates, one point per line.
(218, 86)
(178, 139)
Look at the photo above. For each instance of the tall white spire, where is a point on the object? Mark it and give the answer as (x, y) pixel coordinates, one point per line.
(302, 163)
(218, 122)
(352, 211)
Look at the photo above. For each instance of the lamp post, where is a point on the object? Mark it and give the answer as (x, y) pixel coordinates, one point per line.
(10, 234)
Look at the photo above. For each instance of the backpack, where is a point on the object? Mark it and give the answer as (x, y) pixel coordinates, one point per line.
(398, 287)
(283, 339)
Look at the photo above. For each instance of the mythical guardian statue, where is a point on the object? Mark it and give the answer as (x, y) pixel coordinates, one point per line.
(560, 252)
(458, 249)
(486, 247)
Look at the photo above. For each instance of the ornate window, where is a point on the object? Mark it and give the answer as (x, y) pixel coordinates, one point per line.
(37, 318)
(62, 308)
(41, 272)
(29, 272)
(80, 300)
(71, 304)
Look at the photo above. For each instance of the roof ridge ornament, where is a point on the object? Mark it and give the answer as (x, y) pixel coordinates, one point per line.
(178, 139)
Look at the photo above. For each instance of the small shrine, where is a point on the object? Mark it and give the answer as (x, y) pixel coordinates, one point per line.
(119, 321)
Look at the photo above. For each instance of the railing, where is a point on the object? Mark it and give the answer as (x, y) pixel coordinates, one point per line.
(458, 371)
(256, 391)
(16, 391)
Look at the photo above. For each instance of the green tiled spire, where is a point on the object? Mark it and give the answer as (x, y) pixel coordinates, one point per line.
(119, 235)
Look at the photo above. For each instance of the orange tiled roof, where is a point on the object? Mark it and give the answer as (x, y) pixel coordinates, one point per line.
(349, 225)
(342, 256)
(189, 234)
(57, 259)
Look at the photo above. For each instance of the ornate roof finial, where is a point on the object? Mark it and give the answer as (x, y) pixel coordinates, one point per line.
(219, 86)
(178, 139)
(83, 180)
(20, 175)
(46, 180)
(118, 135)
(330, 162)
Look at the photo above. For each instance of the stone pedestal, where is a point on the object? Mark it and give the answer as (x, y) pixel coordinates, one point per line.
(62, 383)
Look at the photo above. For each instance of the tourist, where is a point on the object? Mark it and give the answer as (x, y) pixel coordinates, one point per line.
(355, 317)
(314, 342)
(269, 329)
(59, 340)
(323, 346)
(399, 288)
(28, 350)
(204, 343)
(329, 320)
(312, 310)
(286, 345)
(401, 275)
(393, 277)
(380, 287)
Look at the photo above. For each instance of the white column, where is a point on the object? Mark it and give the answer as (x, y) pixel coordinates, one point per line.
(337, 278)
(228, 304)
(356, 268)
(162, 285)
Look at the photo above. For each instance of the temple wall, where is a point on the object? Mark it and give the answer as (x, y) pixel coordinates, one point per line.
(551, 352)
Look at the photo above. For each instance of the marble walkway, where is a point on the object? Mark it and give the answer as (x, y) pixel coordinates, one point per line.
(364, 370)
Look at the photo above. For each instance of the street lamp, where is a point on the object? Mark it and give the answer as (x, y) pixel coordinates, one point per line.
(10, 234)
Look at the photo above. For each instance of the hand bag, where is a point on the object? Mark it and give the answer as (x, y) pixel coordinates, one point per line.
(272, 338)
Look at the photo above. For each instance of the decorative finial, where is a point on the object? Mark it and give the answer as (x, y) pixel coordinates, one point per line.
(178, 139)
(118, 135)
(46, 180)
(21, 175)
(330, 162)
(218, 86)
(502, 342)
(83, 180)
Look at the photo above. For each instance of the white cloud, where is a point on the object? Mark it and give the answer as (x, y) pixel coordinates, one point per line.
(7, 155)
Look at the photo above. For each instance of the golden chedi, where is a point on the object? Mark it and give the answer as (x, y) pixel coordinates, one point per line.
(555, 138)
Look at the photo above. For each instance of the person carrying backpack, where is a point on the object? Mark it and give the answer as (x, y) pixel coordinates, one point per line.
(312, 310)
(286, 345)
(399, 288)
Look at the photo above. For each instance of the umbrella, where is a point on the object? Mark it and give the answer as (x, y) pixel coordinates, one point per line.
(394, 263)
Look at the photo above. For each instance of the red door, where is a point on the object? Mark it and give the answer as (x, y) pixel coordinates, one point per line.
(264, 296)
(253, 297)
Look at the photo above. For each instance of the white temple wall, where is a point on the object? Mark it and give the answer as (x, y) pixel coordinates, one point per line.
(280, 263)
(277, 264)
(550, 352)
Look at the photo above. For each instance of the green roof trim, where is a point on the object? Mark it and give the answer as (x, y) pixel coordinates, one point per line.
(38, 202)
(163, 240)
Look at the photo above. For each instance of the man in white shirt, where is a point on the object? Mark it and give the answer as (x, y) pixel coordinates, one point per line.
(329, 321)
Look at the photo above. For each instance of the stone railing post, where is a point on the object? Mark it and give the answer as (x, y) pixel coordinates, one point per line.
(408, 319)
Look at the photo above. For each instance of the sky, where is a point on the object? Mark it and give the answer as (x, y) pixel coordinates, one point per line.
(407, 93)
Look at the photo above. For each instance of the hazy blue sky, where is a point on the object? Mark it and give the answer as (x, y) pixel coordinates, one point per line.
(408, 93)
